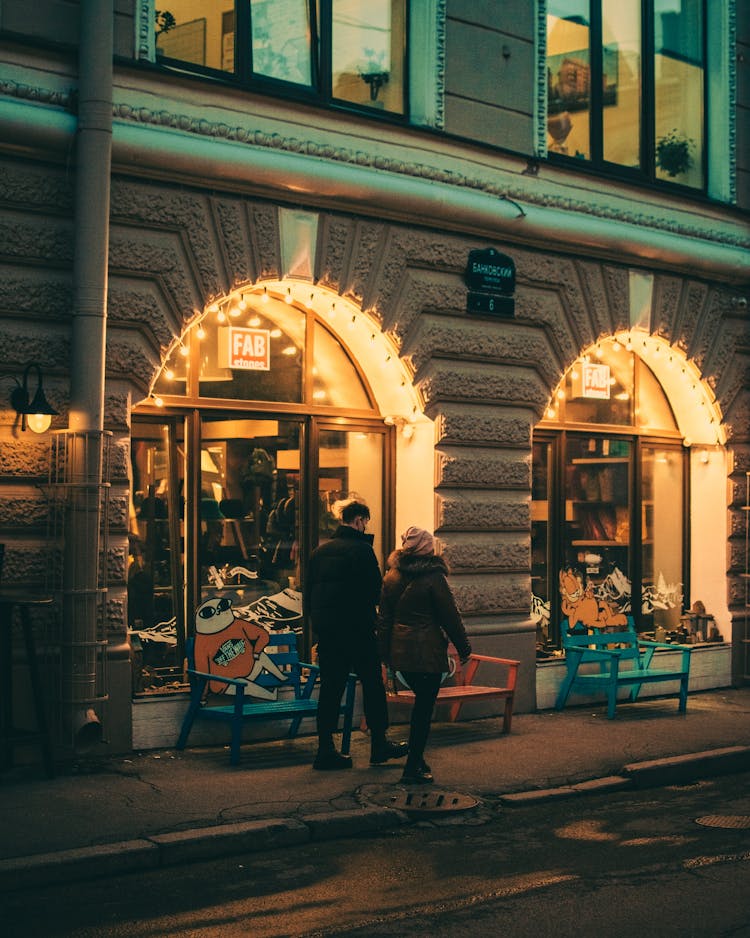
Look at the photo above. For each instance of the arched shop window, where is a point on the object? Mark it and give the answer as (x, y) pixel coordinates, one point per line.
(257, 424)
(609, 499)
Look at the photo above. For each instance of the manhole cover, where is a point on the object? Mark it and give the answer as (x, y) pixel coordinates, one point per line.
(425, 802)
(731, 821)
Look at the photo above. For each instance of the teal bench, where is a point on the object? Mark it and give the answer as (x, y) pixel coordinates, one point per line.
(621, 659)
(295, 692)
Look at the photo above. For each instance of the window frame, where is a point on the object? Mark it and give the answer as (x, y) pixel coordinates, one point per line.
(646, 172)
(319, 92)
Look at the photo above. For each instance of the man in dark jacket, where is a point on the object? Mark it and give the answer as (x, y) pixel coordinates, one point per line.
(340, 595)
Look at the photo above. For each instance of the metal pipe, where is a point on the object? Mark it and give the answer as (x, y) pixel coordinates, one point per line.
(85, 561)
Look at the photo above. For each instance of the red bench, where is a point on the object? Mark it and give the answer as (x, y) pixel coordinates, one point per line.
(459, 688)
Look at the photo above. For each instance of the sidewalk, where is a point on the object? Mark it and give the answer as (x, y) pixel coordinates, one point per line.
(160, 808)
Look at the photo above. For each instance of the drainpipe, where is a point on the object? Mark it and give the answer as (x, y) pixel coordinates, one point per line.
(85, 454)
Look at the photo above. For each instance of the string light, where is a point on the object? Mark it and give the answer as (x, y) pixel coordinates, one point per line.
(288, 298)
(221, 316)
(264, 296)
(184, 351)
(200, 332)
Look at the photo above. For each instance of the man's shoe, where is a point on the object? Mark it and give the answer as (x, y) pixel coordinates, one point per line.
(331, 761)
(420, 776)
(382, 753)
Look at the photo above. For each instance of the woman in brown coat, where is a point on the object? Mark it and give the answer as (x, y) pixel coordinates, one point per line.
(417, 618)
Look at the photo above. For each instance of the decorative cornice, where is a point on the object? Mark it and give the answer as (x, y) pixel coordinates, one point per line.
(530, 194)
(440, 29)
(541, 79)
(15, 89)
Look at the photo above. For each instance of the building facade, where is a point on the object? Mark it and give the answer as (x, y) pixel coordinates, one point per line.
(484, 264)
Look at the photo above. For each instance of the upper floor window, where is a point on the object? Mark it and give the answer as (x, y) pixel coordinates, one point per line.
(626, 85)
(347, 51)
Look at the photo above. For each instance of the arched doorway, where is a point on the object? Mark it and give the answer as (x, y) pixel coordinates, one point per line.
(272, 406)
(624, 497)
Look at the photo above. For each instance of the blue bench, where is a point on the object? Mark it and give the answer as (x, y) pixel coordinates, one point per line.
(622, 659)
(239, 708)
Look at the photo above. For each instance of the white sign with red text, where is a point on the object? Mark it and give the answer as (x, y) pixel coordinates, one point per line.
(248, 349)
(595, 380)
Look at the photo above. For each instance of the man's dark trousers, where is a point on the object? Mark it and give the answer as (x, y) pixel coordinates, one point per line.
(337, 660)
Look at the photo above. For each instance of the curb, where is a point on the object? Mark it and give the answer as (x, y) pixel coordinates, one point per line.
(207, 843)
(197, 844)
(650, 774)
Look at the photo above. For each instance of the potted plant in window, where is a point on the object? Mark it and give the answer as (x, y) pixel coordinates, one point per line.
(673, 153)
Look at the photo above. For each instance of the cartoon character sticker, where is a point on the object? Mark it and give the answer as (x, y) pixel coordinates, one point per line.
(229, 646)
(580, 605)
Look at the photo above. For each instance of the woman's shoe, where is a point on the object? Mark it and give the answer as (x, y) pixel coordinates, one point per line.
(420, 776)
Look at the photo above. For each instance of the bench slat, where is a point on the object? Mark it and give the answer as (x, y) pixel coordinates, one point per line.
(463, 691)
(637, 653)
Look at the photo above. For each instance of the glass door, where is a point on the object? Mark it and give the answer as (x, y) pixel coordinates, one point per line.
(662, 535)
(156, 543)
(249, 519)
(595, 581)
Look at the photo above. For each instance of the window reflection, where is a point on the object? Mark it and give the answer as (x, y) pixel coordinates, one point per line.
(281, 40)
(679, 78)
(368, 44)
(197, 31)
(621, 82)
(569, 78)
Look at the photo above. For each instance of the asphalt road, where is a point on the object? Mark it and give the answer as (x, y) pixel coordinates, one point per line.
(628, 863)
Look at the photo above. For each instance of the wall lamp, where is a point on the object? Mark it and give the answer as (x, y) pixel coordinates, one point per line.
(400, 423)
(36, 413)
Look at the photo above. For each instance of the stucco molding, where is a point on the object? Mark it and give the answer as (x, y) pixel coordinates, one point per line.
(517, 193)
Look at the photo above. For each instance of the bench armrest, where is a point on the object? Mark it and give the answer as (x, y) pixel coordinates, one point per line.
(669, 645)
(465, 673)
(216, 677)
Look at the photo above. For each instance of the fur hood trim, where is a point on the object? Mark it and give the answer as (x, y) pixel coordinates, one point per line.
(410, 564)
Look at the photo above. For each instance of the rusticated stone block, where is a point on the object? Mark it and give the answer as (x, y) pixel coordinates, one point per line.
(119, 460)
(25, 456)
(483, 468)
(23, 508)
(128, 355)
(140, 303)
(27, 564)
(694, 301)
(264, 231)
(481, 383)
(338, 234)
(115, 615)
(161, 255)
(470, 339)
(118, 510)
(424, 290)
(477, 510)
(26, 184)
(493, 426)
(366, 249)
(232, 224)
(117, 401)
(487, 552)
(29, 292)
(491, 593)
(37, 239)
(117, 561)
(182, 210)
